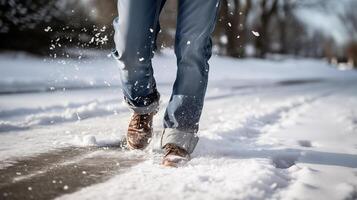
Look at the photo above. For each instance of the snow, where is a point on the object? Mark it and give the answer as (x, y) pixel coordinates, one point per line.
(256, 34)
(281, 128)
(202, 181)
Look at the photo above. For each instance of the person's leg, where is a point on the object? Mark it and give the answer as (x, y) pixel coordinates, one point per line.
(135, 34)
(195, 24)
(136, 29)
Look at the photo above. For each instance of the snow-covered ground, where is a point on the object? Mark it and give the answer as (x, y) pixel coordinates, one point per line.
(282, 128)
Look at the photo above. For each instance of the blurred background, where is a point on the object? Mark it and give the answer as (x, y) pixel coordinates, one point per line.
(245, 28)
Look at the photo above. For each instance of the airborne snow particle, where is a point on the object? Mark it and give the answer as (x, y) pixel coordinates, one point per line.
(52, 47)
(223, 39)
(78, 117)
(65, 187)
(29, 188)
(107, 83)
(84, 172)
(188, 42)
(229, 24)
(141, 59)
(151, 30)
(48, 28)
(273, 186)
(256, 33)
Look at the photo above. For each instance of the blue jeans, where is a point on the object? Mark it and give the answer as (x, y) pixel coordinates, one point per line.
(136, 29)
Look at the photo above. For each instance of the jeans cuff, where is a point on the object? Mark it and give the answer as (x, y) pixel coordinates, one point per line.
(185, 140)
(153, 107)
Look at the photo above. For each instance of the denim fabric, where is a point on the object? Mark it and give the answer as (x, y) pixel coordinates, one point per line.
(136, 30)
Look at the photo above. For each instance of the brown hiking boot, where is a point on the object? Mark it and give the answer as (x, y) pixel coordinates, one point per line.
(174, 156)
(139, 131)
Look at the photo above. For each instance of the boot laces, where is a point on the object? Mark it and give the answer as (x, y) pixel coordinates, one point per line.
(175, 150)
(139, 120)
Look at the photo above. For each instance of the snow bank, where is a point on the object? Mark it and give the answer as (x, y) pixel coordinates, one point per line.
(21, 73)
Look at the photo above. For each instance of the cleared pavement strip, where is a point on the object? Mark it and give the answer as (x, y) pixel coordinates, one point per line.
(63, 171)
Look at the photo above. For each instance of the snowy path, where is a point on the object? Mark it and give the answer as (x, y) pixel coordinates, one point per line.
(293, 137)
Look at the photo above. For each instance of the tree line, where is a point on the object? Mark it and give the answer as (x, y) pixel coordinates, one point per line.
(244, 27)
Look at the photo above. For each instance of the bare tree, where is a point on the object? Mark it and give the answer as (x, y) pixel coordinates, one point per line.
(268, 10)
(349, 17)
(231, 25)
